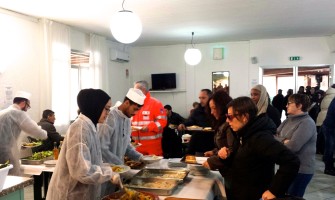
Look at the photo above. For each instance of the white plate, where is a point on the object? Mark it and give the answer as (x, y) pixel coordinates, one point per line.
(136, 145)
(190, 128)
(201, 160)
(120, 168)
(50, 163)
(136, 127)
(30, 146)
(151, 159)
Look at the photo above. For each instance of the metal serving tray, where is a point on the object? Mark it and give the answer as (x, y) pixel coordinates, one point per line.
(153, 185)
(27, 161)
(166, 174)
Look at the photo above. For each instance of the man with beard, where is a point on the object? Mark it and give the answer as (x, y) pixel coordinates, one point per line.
(200, 142)
(12, 120)
(115, 133)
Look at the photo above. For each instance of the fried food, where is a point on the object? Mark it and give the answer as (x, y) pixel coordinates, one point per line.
(131, 195)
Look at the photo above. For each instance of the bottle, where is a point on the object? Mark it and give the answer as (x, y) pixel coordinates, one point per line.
(60, 146)
(55, 151)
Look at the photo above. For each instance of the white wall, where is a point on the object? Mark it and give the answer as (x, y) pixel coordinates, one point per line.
(191, 79)
(276, 52)
(20, 55)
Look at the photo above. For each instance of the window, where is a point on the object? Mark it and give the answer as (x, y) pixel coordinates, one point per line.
(79, 73)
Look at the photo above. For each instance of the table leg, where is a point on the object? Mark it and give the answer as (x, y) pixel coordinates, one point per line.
(46, 179)
(38, 181)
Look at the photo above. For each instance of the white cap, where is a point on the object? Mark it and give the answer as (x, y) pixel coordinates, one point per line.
(136, 96)
(22, 94)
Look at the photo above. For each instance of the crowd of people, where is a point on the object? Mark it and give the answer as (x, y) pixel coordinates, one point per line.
(246, 142)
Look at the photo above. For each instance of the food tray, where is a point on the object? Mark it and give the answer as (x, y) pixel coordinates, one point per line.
(166, 174)
(153, 185)
(27, 161)
(119, 195)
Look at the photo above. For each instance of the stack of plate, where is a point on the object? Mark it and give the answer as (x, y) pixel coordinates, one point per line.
(175, 162)
(198, 170)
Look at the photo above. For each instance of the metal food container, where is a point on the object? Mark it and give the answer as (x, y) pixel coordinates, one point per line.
(163, 187)
(166, 174)
(28, 161)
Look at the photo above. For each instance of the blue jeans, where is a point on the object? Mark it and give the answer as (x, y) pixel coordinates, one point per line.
(329, 134)
(299, 185)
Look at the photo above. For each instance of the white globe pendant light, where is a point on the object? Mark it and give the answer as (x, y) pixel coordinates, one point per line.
(192, 55)
(126, 26)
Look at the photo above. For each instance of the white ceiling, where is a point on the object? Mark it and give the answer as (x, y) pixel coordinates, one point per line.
(168, 22)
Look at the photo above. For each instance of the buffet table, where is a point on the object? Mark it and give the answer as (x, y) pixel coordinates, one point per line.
(14, 187)
(41, 175)
(195, 187)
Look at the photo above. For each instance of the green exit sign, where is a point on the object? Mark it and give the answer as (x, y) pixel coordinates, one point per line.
(294, 58)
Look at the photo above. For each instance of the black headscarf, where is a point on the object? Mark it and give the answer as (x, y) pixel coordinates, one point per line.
(91, 103)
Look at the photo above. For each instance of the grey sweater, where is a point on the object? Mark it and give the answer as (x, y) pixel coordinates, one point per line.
(300, 130)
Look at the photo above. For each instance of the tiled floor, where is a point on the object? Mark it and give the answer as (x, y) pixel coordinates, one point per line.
(322, 187)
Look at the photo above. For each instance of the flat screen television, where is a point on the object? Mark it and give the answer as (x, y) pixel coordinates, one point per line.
(164, 81)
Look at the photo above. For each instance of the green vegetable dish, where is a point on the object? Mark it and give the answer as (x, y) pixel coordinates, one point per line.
(4, 165)
(41, 155)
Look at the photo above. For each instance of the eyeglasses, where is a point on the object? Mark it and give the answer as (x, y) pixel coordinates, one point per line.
(27, 105)
(230, 117)
(107, 110)
(288, 103)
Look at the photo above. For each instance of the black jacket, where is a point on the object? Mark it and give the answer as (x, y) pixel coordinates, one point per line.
(198, 117)
(278, 102)
(53, 136)
(175, 119)
(273, 113)
(252, 164)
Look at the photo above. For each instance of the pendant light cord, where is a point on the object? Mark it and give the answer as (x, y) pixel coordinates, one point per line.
(192, 40)
(122, 5)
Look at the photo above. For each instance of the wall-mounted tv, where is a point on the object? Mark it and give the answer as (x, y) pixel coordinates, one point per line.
(164, 81)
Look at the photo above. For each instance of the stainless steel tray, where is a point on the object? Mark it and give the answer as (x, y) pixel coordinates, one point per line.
(153, 185)
(27, 161)
(166, 174)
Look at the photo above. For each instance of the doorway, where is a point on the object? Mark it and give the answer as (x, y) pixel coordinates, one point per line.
(293, 77)
(285, 78)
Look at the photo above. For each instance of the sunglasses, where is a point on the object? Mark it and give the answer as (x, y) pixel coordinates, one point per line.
(230, 117)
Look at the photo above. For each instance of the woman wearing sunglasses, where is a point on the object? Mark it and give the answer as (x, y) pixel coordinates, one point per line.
(252, 164)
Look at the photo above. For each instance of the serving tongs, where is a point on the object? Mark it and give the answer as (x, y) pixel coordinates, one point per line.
(122, 190)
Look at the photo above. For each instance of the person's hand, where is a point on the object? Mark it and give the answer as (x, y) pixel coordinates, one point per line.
(116, 179)
(144, 129)
(208, 153)
(286, 141)
(181, 127)
(267, 195)
(205, 164)
(223, 153)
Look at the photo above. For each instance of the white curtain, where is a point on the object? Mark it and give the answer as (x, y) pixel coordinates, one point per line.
(57, 65)
(98, 62)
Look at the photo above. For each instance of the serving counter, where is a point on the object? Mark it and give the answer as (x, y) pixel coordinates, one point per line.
(14, 187)
(194, 187)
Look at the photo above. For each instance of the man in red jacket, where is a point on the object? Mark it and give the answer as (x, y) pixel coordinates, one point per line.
(148, 123)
